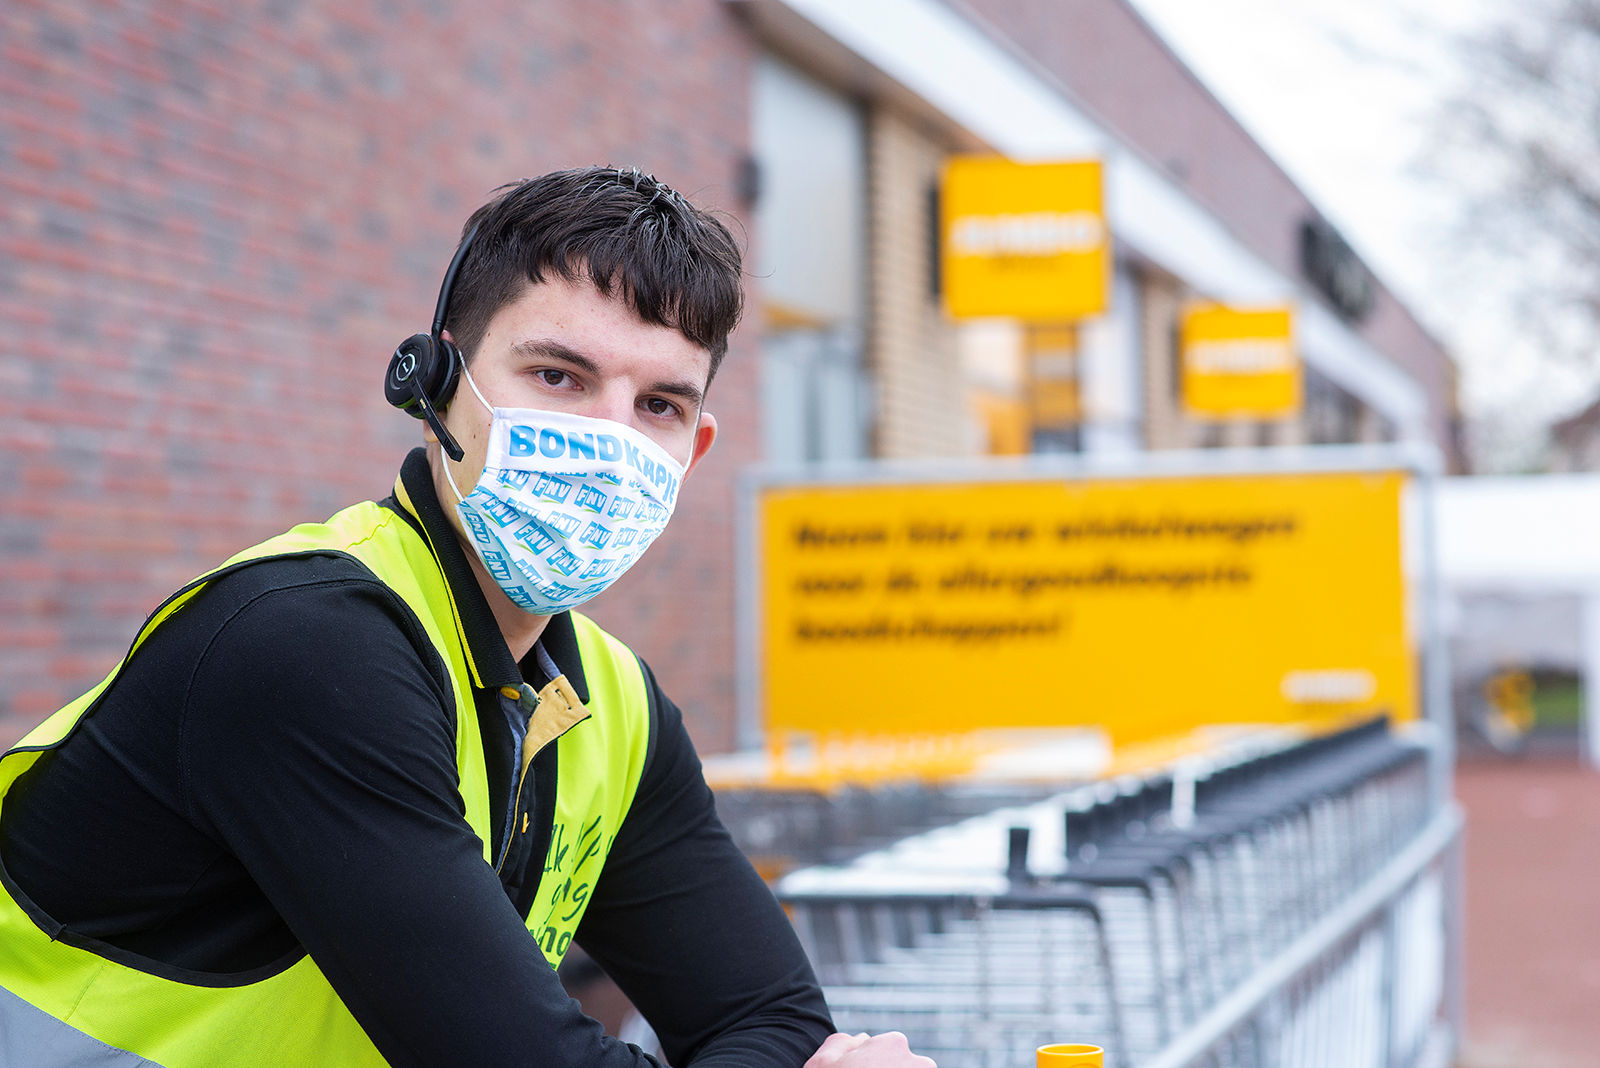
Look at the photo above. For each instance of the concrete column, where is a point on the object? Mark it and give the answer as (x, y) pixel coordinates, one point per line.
(1164, 424)
(912, 348)
(1291, 431)
(1590, 723)
(1110, 366)
(1239, 434)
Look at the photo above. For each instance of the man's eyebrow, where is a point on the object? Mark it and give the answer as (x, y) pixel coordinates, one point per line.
(548, 349)
(554, 350)
(688, 392)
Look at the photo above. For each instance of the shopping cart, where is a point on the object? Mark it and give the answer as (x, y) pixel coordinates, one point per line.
(1152, 905)
(974, 980)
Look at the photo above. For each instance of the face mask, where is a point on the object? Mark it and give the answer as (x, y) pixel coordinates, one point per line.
(565, 504)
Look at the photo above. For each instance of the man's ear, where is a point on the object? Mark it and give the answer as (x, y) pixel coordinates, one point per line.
(705, 432)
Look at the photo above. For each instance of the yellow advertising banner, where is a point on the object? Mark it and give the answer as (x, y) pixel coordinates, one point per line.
(1147, 606)
(1239, 364)
(1024, 240)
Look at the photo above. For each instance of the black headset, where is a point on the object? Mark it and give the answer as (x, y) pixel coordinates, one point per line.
(426, 368)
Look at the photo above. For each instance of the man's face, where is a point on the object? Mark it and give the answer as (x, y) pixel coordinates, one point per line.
(561, 346)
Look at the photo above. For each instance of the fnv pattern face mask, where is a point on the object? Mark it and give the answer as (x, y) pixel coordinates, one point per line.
(565, 504)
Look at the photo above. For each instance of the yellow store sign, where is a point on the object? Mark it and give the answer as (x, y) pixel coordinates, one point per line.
(1024, 240)
(1239, 364)
(1146, 605)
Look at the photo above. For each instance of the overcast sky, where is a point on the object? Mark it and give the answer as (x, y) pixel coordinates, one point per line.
(1341, 93)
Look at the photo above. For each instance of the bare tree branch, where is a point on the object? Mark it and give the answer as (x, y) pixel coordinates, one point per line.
(1522, 142)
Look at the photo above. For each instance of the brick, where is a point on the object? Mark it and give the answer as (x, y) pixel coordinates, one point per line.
(198, 368)
(36, 157)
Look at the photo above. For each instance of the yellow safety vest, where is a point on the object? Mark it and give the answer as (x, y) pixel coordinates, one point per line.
(87, 1003)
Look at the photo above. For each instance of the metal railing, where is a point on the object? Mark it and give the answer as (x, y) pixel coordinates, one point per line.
(1292, 913)
(1362, 987)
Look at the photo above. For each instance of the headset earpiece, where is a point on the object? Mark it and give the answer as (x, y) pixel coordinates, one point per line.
(425, 370)
(422, 378)
(434, 365)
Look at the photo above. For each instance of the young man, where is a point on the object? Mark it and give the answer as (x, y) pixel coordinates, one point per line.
(353, 796)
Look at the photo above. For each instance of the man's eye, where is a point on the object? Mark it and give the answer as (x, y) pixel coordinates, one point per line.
(553, 377)
(657, 406)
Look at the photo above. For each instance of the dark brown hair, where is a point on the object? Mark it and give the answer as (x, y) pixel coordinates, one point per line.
(676, 265)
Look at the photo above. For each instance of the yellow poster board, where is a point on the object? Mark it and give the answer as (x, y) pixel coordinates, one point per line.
(1147, 606)
(1024, 240)
(1239, 364)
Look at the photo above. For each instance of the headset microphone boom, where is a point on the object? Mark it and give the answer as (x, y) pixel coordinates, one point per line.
(426, 368)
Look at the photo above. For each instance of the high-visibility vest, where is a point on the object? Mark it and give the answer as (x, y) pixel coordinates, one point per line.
(70, 1000)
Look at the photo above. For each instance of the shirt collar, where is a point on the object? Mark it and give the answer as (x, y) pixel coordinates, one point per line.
(488, 655)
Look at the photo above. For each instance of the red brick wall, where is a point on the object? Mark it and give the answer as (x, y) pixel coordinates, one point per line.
(217, 220)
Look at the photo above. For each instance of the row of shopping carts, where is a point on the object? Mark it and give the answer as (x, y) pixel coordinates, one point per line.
(798, 827)
(1123, 913)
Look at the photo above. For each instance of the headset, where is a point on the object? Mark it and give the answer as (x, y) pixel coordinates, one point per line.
(425, 370)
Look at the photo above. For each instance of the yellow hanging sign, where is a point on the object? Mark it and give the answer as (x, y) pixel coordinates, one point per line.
(1239, 364)
(1147, 606)
(1024, 240)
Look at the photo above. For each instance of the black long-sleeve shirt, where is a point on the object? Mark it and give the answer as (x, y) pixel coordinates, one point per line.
(274, 773)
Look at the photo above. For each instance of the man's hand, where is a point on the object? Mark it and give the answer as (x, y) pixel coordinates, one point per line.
(888, 1050)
